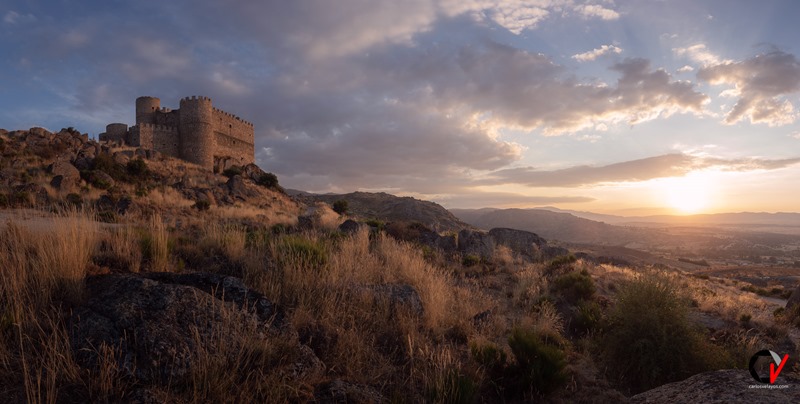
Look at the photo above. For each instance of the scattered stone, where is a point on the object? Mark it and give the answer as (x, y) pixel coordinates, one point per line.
(69, 175)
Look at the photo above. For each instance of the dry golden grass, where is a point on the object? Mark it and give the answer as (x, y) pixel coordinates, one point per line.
(39, 266)
(156, 244)
(168, 197)
(229, 239)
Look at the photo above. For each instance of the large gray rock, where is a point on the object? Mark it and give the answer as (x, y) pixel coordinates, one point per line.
(723, 386)
(519, 241)
(65, 175)
(155, 322)
(351, 226)
(476, 243)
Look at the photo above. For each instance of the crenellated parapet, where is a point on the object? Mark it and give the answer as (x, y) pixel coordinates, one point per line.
(196, 132)
(218, 111)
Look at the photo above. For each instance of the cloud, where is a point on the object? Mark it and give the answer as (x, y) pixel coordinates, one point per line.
(668, 165)
(700, 54)
(761, 84)
(595, 53)
(596, 11)
(475, 199)
(514, 88)
(686, 69)
(13, 17)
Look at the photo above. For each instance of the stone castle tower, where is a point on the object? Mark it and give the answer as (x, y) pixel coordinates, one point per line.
(196, 132)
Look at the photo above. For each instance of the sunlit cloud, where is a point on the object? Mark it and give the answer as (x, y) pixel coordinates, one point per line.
(668, 165)
(761, 84)
(596, 53)
(596, 11)
(700, 54)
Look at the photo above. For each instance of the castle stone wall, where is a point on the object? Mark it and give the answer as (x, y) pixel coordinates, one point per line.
(196, 132)
(165, 139)
(141, 135)
(234, 137)
(115, 132)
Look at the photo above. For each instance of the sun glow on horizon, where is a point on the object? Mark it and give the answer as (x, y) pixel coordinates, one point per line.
(691, 194)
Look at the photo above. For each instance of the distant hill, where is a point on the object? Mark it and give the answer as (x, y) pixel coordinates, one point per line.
(553, 225)
(781, 222)
(389, 208)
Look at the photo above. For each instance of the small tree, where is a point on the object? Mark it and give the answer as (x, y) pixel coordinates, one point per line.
(268, 180)
(340, 206)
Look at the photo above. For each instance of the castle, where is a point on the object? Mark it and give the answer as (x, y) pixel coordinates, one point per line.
(196, 132)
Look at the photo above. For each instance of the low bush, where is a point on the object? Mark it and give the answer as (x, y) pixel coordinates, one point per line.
(470, 260)
(560, 263)
(575, 286)
(303, 251)
(202, 205)
(137, 169)
(539, 362)
(230, 172)
(340, 207)
(649, 339)
(588, 315)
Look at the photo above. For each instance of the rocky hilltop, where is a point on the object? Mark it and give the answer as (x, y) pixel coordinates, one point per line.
(388, 207)
(128, 276)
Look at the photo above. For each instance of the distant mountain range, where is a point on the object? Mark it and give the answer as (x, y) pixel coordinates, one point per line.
(715, 219)
(592, 228)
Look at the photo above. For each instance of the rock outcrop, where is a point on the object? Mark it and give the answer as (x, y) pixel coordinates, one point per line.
(157, 323)
(723, 386)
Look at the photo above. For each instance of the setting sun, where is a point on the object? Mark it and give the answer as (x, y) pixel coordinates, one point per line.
(689, 194)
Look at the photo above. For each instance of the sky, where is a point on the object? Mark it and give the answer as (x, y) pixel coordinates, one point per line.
(625, 107)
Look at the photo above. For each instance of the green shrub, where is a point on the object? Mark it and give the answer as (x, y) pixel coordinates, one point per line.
(378, 224)
(303, 251)
(268, 180)
(74, 199)
(4, 201)
(202, 205)
(559, 263)
(539, 360)
(230, 172)
(452, 386)
(105, 162)
(340, 206)
(649, 338)
(470, 260)
(575, 286)
(137, 168)
(489, 356)
(588, 315)
(744, 319)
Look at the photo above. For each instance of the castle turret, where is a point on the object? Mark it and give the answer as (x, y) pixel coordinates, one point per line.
(146, 108)
(196, 131)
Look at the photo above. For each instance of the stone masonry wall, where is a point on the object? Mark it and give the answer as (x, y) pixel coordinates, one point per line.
(234, 137)
(196, 132)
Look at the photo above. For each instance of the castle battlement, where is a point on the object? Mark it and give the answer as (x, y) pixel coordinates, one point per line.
(196, 98)
(232, 116)
(193, 133)
(156, 127)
